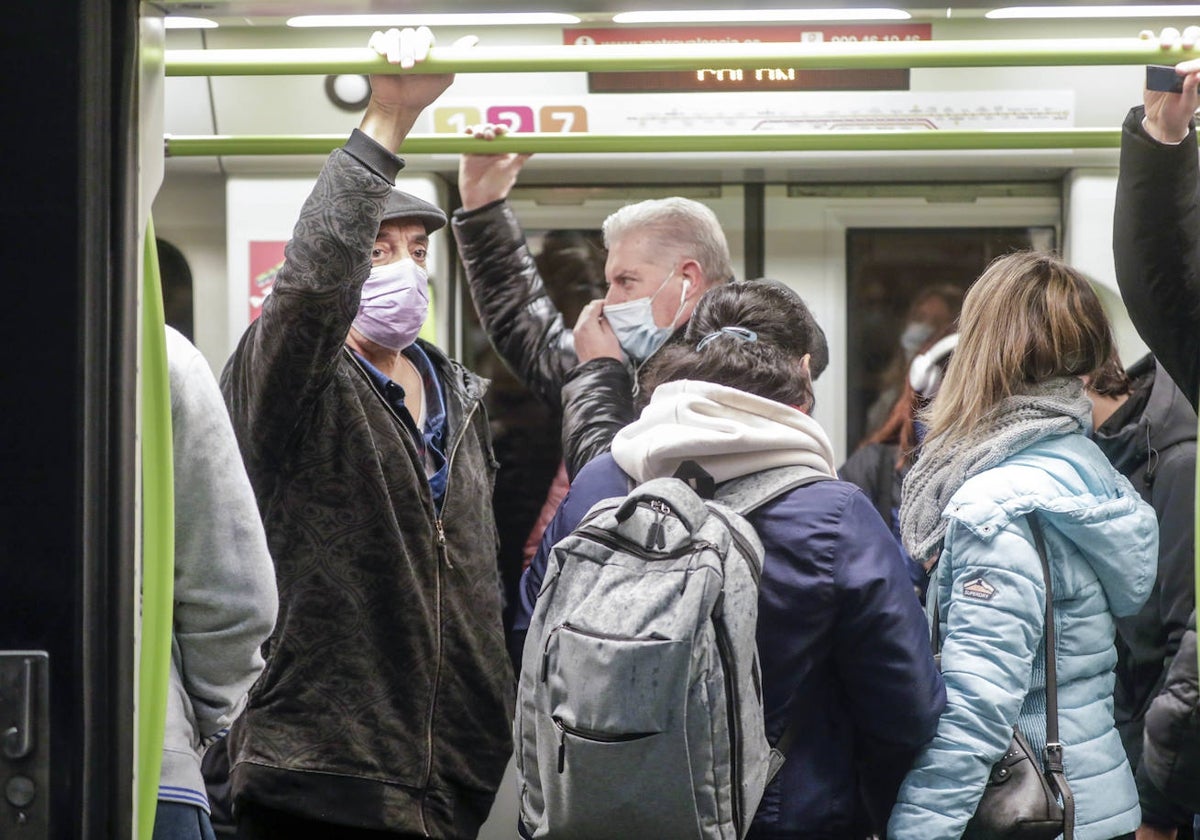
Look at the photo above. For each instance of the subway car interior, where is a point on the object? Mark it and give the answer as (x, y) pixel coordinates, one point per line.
(861, 152)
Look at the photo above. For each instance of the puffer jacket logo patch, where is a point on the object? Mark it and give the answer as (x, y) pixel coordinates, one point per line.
(979, 589)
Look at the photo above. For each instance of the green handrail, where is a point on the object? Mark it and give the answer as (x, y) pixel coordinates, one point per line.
(158, 542)
(580, 142)
(667, 57)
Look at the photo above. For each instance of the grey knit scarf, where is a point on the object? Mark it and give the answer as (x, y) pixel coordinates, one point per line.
(1045, 409)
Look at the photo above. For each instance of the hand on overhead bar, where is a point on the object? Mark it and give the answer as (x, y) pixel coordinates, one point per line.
(397, 99)
(1168, 115)
(484, 178)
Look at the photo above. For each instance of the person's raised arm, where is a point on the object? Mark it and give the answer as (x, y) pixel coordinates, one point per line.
(289, 355)
(487, 178)
(515, 310)
(1156, 227)
(1169, 115)
(398, 99)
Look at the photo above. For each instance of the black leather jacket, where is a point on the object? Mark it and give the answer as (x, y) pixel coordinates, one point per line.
(596, 398)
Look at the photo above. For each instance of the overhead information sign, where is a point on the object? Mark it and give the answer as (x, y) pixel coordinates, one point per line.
(876, 111)
(716, 78)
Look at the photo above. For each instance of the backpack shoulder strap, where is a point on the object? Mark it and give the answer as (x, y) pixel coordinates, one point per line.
(747, 492)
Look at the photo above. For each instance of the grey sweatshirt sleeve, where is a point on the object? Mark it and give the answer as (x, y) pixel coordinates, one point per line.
(225, 596)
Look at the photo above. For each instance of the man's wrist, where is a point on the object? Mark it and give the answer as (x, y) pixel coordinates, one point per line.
(1161, 134)
(474, 201)
(388, 125)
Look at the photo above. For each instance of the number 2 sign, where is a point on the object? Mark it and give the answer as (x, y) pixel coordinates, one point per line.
(554, 119)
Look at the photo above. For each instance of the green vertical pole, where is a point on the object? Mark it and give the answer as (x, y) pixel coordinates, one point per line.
(158, 543)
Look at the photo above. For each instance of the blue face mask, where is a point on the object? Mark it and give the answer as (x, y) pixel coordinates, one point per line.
(633, 323)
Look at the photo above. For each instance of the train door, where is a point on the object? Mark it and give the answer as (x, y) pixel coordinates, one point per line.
(860, 255)
(68, 525)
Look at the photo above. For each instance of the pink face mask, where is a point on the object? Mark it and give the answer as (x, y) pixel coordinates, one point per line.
(394, 303)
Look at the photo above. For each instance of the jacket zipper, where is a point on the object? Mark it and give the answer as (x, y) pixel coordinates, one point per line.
(444, 551)
(438, 523)
(444, 555)
(587, 735)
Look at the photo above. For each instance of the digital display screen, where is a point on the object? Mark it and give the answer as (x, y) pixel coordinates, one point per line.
(716, 78)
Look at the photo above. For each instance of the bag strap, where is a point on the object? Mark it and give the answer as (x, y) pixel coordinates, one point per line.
(747, 492)
(1052, 755)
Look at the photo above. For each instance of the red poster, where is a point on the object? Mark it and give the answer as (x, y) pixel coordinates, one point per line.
(265, 260)
(764, 78)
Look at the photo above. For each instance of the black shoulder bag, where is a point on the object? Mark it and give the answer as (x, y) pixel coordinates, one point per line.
(1021, 800)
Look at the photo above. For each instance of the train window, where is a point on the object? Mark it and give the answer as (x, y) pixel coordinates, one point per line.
(525, 433)
(902, 287)
(176, 277)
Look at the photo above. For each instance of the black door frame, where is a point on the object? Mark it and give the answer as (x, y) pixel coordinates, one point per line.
(68, 402)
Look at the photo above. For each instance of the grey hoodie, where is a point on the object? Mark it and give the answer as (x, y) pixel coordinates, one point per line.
(225, 598)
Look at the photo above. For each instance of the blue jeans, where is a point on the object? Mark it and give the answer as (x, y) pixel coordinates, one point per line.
(177, 821)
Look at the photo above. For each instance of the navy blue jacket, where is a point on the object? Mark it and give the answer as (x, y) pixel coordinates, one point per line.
(844, 648)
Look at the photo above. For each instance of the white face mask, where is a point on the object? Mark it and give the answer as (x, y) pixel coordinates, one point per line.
(633, 323)
(394, 304)
(915, 334)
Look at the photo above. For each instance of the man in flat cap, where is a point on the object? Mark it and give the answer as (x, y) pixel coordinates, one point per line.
(386, 701)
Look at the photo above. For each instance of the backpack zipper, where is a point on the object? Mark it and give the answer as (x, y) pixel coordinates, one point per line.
(617, 543)
(725, 651)
(588, 735)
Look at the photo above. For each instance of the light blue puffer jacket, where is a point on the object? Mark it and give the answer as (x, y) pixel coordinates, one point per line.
(1102, 543)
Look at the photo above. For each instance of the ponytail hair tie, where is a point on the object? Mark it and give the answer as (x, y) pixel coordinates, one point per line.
(740, 333)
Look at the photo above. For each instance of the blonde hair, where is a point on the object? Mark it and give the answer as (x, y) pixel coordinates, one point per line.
(1028, 318)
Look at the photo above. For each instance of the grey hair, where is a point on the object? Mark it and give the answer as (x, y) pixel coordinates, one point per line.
(678, 225)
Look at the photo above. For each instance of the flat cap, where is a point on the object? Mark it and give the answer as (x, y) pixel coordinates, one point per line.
(402, 205)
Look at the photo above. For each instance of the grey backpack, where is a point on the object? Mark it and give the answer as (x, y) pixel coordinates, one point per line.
(639, 708)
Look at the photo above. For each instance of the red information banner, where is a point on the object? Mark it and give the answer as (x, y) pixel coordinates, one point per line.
(758, 79)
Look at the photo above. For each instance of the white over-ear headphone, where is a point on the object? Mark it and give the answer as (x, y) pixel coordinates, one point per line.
(925, 372)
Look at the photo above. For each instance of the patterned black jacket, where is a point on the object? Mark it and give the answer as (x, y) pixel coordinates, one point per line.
(387, 698)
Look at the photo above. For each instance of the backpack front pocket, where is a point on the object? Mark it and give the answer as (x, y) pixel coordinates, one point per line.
(615, 764)
(615, 686)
